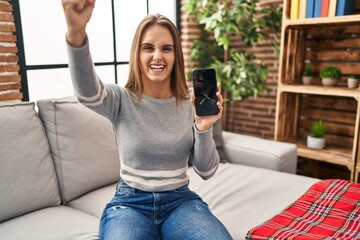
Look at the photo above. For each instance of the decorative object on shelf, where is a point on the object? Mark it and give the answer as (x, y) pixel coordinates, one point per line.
(353, 81)
(330, 75)
(302, 9)
(310, 5)
(317, 8)
(332, 8)
(307, 77)
(345, 7)
(294, 10)
(316, 139)
(325, 8)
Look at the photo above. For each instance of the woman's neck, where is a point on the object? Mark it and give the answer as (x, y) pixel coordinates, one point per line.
(160, 91)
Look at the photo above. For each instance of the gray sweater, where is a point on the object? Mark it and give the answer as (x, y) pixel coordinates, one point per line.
(155, 137)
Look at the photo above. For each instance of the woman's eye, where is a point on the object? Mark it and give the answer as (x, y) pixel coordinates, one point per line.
(148, 48)
(167, 49)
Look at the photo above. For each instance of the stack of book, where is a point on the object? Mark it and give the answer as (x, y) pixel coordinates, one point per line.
(321, 8)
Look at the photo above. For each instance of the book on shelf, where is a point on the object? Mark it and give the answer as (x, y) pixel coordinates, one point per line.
(345, 7)
(302, 9)
(332, 8)
(325, 8)
(317, 8)
(310, 4)
(294, 9)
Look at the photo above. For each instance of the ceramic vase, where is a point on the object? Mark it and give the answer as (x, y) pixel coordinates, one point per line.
(315, 143)
(353, 82)
(306, 80)
(329, 81)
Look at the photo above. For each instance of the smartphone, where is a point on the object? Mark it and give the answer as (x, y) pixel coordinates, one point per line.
(204, 83)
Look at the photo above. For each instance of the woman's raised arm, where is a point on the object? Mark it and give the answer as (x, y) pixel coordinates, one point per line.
(77, 15)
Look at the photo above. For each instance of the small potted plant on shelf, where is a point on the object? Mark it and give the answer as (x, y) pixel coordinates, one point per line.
(316, 139)
(353, 81)
(330, 75)
(307, 77)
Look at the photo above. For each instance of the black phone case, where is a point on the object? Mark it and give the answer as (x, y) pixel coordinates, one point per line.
(204, 83)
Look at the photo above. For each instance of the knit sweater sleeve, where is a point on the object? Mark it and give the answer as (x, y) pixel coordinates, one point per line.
(88, 88)
(206, 158)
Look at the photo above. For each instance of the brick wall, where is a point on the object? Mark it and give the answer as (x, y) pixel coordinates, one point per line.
(255, 116)
(9, 77)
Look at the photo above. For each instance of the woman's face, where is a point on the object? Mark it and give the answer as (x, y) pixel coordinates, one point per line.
(157, 55)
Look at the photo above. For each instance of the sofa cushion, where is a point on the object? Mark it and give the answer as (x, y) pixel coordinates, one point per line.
(259, 152)
(53, 223)
(27, 175)
(94, 202)
(243, 197)
(82, 145)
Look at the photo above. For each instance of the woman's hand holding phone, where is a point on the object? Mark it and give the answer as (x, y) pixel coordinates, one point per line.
(203, 123)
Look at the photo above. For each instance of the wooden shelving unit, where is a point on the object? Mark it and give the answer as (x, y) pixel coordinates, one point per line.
(320, 42)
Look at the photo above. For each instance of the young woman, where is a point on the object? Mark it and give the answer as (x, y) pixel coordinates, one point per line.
(156, 130)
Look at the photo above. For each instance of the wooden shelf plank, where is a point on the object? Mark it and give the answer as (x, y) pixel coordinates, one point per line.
(321, 90)
(333, 155)
(348, 19)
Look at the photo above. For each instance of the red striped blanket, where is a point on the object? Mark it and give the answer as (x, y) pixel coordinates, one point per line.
(330, 209)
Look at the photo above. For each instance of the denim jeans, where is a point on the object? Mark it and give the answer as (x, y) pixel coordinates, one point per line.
(178, 214)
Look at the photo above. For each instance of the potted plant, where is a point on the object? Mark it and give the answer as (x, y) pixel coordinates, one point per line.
(238, 70)
(353, 81)
(307, 77)
(330, 75)
(316, 139)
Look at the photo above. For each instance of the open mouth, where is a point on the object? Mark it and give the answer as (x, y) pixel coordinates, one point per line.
(157, 67)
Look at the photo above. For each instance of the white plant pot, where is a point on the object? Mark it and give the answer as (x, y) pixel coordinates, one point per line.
(329, 81)
(315, 143)
(306, 80)
(353, 83)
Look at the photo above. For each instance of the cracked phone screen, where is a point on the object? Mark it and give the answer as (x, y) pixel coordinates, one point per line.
(204, 83)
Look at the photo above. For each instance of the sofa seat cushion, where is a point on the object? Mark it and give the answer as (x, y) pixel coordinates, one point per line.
(82, 144)
(27, 176)
(259, 152)
(94, 202)
(243, 197)
(60, 223)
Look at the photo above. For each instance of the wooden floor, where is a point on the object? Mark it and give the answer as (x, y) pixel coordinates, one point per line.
(307, 167)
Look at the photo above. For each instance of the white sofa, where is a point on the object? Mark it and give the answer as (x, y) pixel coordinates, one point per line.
(59, 168)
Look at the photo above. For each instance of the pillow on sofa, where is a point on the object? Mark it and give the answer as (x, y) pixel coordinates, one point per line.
(82, 145)
(27, 175)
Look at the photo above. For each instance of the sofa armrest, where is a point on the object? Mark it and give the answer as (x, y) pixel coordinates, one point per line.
(259, 152)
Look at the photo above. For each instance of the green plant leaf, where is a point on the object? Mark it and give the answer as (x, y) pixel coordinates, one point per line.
(318, 129)
(330, 72)
(239, 72)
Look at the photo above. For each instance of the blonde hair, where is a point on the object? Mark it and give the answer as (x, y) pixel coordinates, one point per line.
(178, 81)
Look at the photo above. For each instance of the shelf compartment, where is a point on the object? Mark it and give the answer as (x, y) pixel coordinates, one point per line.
(319, 46)
(297, 110)
(320, 20)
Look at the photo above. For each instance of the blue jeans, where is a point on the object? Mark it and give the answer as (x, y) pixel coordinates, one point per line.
(178, 214)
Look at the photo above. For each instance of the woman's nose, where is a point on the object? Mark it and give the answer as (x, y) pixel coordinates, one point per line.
(157, 55)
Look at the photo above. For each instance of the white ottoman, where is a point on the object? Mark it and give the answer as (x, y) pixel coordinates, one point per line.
(259, 152)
